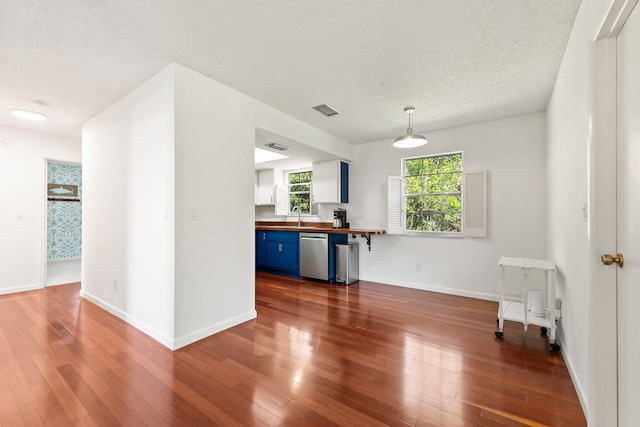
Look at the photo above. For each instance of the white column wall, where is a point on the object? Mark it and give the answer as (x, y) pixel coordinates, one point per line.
(23, 155)
(169, 196)
(215, 136)
(513, 152)
(128, 208)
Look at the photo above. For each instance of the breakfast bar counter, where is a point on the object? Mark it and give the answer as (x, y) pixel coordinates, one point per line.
(318, 227)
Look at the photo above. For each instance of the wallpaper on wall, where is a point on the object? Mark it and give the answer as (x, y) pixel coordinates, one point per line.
(64, 219)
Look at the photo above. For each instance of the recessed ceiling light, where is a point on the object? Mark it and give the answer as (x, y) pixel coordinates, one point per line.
(29, 115)
(267, 156)
(277, 146)
(327, 110)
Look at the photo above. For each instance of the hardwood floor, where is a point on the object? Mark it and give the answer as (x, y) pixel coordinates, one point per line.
(318, 355)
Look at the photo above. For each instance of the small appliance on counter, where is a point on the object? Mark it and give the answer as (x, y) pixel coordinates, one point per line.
(340, 218)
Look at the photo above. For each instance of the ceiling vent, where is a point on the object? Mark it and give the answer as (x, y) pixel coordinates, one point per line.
(276, 146)
(326, 110)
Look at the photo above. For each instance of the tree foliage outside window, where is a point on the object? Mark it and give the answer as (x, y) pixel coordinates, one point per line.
(300, 191)
(433, 193)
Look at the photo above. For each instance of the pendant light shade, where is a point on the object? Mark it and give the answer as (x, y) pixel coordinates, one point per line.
(409, 140)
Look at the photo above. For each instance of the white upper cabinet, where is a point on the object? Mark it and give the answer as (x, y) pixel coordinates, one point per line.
(265, 187)
(330, 182)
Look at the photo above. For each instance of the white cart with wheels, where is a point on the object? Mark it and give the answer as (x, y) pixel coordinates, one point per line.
(516, 284)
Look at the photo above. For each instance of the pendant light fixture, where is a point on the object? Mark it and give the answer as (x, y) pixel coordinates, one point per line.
(409, 140)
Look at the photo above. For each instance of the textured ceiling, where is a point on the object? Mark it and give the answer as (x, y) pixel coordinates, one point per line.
(456, 61)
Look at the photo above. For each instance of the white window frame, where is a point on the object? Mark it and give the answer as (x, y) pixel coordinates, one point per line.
(288, 186)
(404, 198)
(473, 209)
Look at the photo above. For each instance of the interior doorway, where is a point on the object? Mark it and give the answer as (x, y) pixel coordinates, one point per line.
(613, 384)
(64, 222)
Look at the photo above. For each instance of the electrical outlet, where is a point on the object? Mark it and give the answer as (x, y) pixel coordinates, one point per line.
(418, 267)
(115, 284)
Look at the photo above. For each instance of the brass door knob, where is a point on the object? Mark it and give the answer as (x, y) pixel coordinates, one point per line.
(608, 259)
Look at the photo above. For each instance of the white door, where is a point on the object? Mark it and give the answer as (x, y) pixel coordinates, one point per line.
(628, 220)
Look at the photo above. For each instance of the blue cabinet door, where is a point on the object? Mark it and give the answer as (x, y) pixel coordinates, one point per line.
(344, 182)
(261, 248)
(283, 256)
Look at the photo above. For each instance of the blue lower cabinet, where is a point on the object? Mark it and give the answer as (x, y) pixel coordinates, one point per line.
(278, 252)
(283, 256)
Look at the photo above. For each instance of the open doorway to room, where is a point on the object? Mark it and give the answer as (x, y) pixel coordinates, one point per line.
(64, 222)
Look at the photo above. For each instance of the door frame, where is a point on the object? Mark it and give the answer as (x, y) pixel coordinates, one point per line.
(603, 364)
(44, 234)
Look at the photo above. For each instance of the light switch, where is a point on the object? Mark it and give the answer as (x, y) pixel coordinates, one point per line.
(19, 215)
(193, 213)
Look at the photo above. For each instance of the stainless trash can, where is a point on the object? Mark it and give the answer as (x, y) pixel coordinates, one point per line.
(347, 262)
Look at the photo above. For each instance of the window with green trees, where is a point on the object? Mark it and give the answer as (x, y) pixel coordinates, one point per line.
(433, 193)
(300, 191)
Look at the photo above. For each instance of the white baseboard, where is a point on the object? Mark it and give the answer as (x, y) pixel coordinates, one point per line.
(213, 329)
(433, 288)
(61, 282)
(73, 258)
(165, 340)
(582, 397)
(22, 288)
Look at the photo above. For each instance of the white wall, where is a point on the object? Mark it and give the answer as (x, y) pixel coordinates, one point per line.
(513, 151)
(128, 208)
(23, 155)
(587, 334)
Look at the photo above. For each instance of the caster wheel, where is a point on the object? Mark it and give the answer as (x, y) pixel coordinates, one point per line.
(555, 347)
(543, 330)
(499, 334)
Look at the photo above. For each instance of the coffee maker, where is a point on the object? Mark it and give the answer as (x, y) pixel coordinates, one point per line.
(340, 218)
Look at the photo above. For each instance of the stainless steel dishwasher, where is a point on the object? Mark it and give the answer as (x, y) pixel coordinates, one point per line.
(314, 255)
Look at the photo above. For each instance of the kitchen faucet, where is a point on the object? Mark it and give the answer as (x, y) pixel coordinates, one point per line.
(299, 219)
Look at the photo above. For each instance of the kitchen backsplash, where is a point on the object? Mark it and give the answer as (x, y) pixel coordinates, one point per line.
(325, 213)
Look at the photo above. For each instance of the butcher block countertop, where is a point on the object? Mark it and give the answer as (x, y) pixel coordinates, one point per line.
(319, 227)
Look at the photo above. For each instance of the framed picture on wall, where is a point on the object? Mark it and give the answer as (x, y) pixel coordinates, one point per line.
(63, 192)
